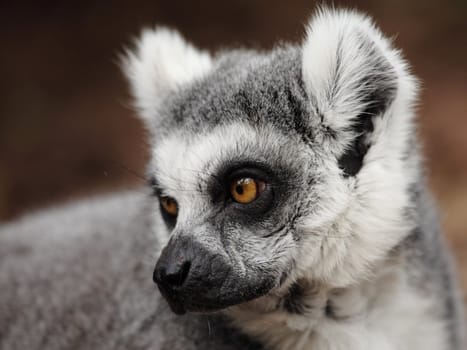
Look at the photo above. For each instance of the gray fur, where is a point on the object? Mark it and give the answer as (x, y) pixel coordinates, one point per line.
(432, 267)
(79, 277)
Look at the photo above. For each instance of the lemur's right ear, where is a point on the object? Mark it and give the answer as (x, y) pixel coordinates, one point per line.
(353, 75)
(161, 61)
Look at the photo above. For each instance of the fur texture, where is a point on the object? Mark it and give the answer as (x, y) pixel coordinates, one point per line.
(342, 250)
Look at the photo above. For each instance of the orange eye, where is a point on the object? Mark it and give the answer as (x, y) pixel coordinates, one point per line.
(169, 205)
(246, 190)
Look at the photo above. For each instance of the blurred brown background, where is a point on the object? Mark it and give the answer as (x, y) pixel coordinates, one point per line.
(66, 130)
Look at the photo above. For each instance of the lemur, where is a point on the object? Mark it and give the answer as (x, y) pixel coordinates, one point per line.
(287, 209)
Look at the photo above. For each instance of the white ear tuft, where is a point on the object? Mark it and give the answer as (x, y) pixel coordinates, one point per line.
(347, 62)
(161, 62)
(352, 74)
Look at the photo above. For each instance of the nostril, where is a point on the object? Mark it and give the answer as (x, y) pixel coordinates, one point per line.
(177, 278)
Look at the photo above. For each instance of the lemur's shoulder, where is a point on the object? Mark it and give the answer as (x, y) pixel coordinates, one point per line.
(429, 265)
(79, 276)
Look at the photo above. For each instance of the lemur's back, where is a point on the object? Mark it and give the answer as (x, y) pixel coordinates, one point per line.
(79, 277)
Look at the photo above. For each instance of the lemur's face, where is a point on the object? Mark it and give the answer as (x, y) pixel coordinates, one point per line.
(269, 168)
(235, 196)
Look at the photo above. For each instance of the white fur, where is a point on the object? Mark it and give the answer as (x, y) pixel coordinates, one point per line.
(162, 61)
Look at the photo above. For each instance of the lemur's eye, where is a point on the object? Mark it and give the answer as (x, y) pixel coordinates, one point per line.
(245, 190)
(169, 205)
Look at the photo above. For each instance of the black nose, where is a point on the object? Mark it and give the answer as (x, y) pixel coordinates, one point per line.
(173, 274)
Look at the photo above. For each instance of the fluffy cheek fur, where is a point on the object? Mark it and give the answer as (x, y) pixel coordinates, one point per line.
(357, 220)
(261, 257)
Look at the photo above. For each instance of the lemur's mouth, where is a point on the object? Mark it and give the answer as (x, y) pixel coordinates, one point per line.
(209, 297)
(193, 302)
(176, 306)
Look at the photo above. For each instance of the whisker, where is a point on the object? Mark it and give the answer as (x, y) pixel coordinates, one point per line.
(129, 170)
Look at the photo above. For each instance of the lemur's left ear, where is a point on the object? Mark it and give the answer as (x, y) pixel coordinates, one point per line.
(161, 61)
(351, 74)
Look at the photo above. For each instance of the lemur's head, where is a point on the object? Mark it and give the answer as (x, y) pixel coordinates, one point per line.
(275, 166)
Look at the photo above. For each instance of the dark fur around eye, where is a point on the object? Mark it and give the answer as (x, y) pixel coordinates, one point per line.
(219, 189)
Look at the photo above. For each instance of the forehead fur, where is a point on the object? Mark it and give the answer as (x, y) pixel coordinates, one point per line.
(244, 86)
